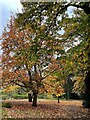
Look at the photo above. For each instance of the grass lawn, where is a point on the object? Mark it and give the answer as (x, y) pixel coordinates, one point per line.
(46, 109)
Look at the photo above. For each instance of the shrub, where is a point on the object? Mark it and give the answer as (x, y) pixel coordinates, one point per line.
(16, 96)
(42, 96)
(24, 96)
(4, 97)
(6, 104)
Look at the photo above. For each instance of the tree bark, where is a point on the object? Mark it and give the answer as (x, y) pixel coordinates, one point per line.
(86, 102)
(34, 104)
(29, 97)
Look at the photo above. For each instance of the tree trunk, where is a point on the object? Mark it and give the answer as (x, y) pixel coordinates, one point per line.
(58, 99)
(34, 104)
(29, 97)
(86, 102)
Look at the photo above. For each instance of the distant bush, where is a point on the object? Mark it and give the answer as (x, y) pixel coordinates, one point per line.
(7, 105)
(82, 96)
(73, 96)
(4, 97)
(42, 96)
(16, 96)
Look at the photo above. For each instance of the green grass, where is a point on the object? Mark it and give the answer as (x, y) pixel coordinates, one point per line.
(14, 96)
(17, 96)
(4, 96)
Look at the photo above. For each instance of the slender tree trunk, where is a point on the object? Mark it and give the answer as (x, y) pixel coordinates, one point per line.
(29, 97)
(58, 99)
(34, 104)
(66, 95)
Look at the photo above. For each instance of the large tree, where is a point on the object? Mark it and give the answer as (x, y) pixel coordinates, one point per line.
(45, 17)
(40, 23)
(27, 59)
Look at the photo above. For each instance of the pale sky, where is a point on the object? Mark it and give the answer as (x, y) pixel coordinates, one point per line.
(7, 6)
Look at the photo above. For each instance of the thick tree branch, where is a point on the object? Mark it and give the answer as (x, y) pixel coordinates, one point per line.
(19, 84)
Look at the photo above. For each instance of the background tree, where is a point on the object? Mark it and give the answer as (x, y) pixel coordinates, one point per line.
(79, 31)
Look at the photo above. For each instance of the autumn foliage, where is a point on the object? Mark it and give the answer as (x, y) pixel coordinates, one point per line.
(26, 60)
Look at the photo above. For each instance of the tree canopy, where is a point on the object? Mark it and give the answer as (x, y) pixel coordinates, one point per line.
(34, 48)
